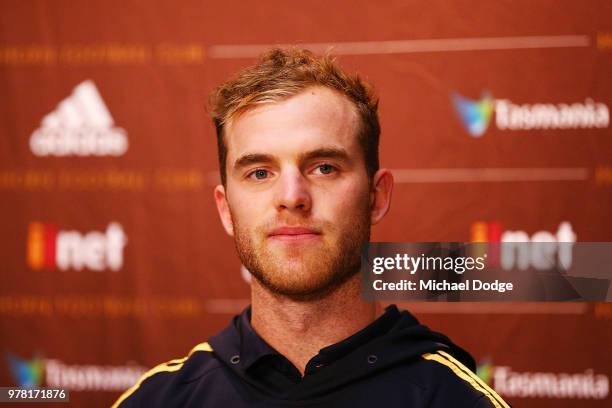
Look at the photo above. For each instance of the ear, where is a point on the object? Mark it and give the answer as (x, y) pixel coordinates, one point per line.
(380, 196)
(224, 210)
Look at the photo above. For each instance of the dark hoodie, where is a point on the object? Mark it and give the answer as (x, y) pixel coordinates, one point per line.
(393, 362)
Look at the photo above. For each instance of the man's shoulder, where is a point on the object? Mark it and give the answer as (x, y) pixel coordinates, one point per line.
(446, 379)
(443, 379)
(166, 379)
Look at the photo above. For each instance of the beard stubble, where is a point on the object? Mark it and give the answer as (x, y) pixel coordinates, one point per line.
(307, 271)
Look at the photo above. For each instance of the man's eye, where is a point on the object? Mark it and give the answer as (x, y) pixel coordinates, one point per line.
(259, 174)
(325, 168)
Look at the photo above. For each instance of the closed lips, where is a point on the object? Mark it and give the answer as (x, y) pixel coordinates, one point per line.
(293, 231)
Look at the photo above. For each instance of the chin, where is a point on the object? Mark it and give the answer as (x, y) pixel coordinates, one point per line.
(300, 283)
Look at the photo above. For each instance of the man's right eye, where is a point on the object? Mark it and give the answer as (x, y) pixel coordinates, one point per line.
(259, 174)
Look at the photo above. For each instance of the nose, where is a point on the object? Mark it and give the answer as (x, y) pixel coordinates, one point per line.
(293, 192)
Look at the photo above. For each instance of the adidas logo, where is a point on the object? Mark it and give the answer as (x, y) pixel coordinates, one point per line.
(81, 125)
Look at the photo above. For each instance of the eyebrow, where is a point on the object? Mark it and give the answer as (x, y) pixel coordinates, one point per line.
(321, 153)
(252, 158)
(326, 153)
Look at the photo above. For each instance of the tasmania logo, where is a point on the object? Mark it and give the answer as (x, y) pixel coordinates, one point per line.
(55, 373)
(26, 373)
(50, 248)
(507, 381)
(476, 115)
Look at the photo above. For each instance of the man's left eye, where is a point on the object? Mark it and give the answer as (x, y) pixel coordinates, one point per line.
(325, 168)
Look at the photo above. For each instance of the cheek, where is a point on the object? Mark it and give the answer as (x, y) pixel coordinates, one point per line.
(345, 202)
(247, 209)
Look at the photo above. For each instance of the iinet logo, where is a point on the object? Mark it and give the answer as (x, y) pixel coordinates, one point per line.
(542, 250)
(81, 125)
(49, 248)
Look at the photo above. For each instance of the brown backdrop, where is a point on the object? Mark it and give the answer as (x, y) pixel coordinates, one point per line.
(115, 261)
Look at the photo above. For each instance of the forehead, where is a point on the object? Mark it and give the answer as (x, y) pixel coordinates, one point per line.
(313, 118)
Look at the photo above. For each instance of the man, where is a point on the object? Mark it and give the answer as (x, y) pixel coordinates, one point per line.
(301, 186)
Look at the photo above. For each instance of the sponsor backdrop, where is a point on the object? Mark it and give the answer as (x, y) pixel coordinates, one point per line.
(496, 124)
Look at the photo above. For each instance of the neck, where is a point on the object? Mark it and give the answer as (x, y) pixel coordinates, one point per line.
(299, 329)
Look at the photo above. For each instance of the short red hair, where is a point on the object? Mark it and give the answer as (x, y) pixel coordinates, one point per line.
(282, 73)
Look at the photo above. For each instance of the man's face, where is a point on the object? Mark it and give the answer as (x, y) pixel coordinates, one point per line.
(297, 198)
